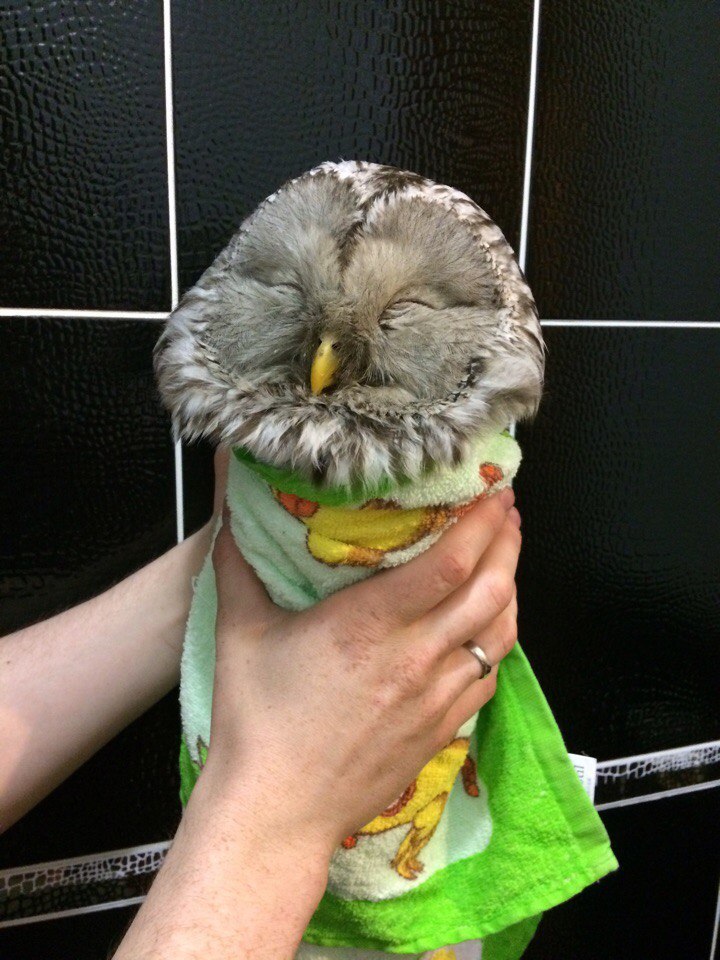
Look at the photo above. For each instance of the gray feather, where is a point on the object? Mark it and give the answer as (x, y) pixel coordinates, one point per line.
(437, 330)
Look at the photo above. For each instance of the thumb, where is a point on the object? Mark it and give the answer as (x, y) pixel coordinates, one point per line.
(241, 597)
(220, 463)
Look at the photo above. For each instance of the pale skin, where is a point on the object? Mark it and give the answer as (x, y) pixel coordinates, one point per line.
(349, 706)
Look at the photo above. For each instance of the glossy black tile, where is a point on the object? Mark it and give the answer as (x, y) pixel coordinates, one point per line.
(198, 484)
(87, 489)
(86, 497)
(660, 904)
(264, 92)
(618, 492)
(625, 197)
(83, 177)
(90, 936)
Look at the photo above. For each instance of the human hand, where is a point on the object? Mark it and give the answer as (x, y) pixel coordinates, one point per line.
(328, 714)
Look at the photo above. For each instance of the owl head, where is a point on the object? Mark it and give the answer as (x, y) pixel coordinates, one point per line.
(363, 323)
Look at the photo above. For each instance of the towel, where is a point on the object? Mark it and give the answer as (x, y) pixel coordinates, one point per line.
(496, 828)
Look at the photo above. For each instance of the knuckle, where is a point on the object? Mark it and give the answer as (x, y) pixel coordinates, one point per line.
(500, 588)
(455, 569)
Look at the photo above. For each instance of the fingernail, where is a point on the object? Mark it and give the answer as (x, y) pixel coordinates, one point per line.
(507, 497)
(514, 516)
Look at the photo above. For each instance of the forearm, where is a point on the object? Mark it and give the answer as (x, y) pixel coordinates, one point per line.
(241, 880)
(71, 683)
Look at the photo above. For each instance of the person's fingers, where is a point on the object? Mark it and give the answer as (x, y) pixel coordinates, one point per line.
(403, 594)
(500, 636)
(241, 595)
(460, 668)
(496, 641)
(220, 462)
(473, 698)
(514, 517)
(477, 603)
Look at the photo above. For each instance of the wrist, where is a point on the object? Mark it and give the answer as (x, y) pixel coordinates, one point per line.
(237, 880)
(269, 816)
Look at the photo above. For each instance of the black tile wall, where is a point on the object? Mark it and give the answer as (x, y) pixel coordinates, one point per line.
(92, 936)
(618, 579)
(87, 490)
(625, 192)
(198, 484)
(83, 169)
(660, 904)
(619, 488)
(264, 92)
(86, 497)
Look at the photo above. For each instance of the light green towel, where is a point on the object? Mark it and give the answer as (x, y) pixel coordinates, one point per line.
(517, 834)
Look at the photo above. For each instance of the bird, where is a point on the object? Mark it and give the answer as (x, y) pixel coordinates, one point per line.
(363, 323)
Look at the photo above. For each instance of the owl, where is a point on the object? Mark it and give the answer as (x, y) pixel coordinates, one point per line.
(363, 323)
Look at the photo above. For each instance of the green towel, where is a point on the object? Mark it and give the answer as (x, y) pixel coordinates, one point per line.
(515, 835)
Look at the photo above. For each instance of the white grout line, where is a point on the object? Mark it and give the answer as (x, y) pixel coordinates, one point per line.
(172, 223)
(159, 315)
(660, 795)
(656, 754)
(179, 493)
(170, 143)
(161, 848)
(90, 314)
(124, 853)
(656, 324)
(713, 945)
(524, 217)
(72, 912)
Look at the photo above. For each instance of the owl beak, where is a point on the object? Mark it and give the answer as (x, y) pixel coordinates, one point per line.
(324, 366)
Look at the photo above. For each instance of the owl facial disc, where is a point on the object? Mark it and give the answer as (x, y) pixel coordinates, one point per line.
(364, 322)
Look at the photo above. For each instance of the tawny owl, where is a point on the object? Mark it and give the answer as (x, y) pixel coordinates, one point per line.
(363, 322)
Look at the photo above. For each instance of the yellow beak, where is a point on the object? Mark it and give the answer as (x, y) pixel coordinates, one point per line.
(324, 366)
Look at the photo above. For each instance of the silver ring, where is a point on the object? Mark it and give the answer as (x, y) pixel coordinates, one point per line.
(479, 654)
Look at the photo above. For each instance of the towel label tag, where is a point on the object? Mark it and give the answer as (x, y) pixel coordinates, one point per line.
(586, 769)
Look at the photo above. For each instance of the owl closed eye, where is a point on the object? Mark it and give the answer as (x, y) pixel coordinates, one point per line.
(363, 321)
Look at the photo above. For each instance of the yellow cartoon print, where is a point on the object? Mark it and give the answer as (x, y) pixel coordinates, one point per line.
(363, 536)
(421, 806)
